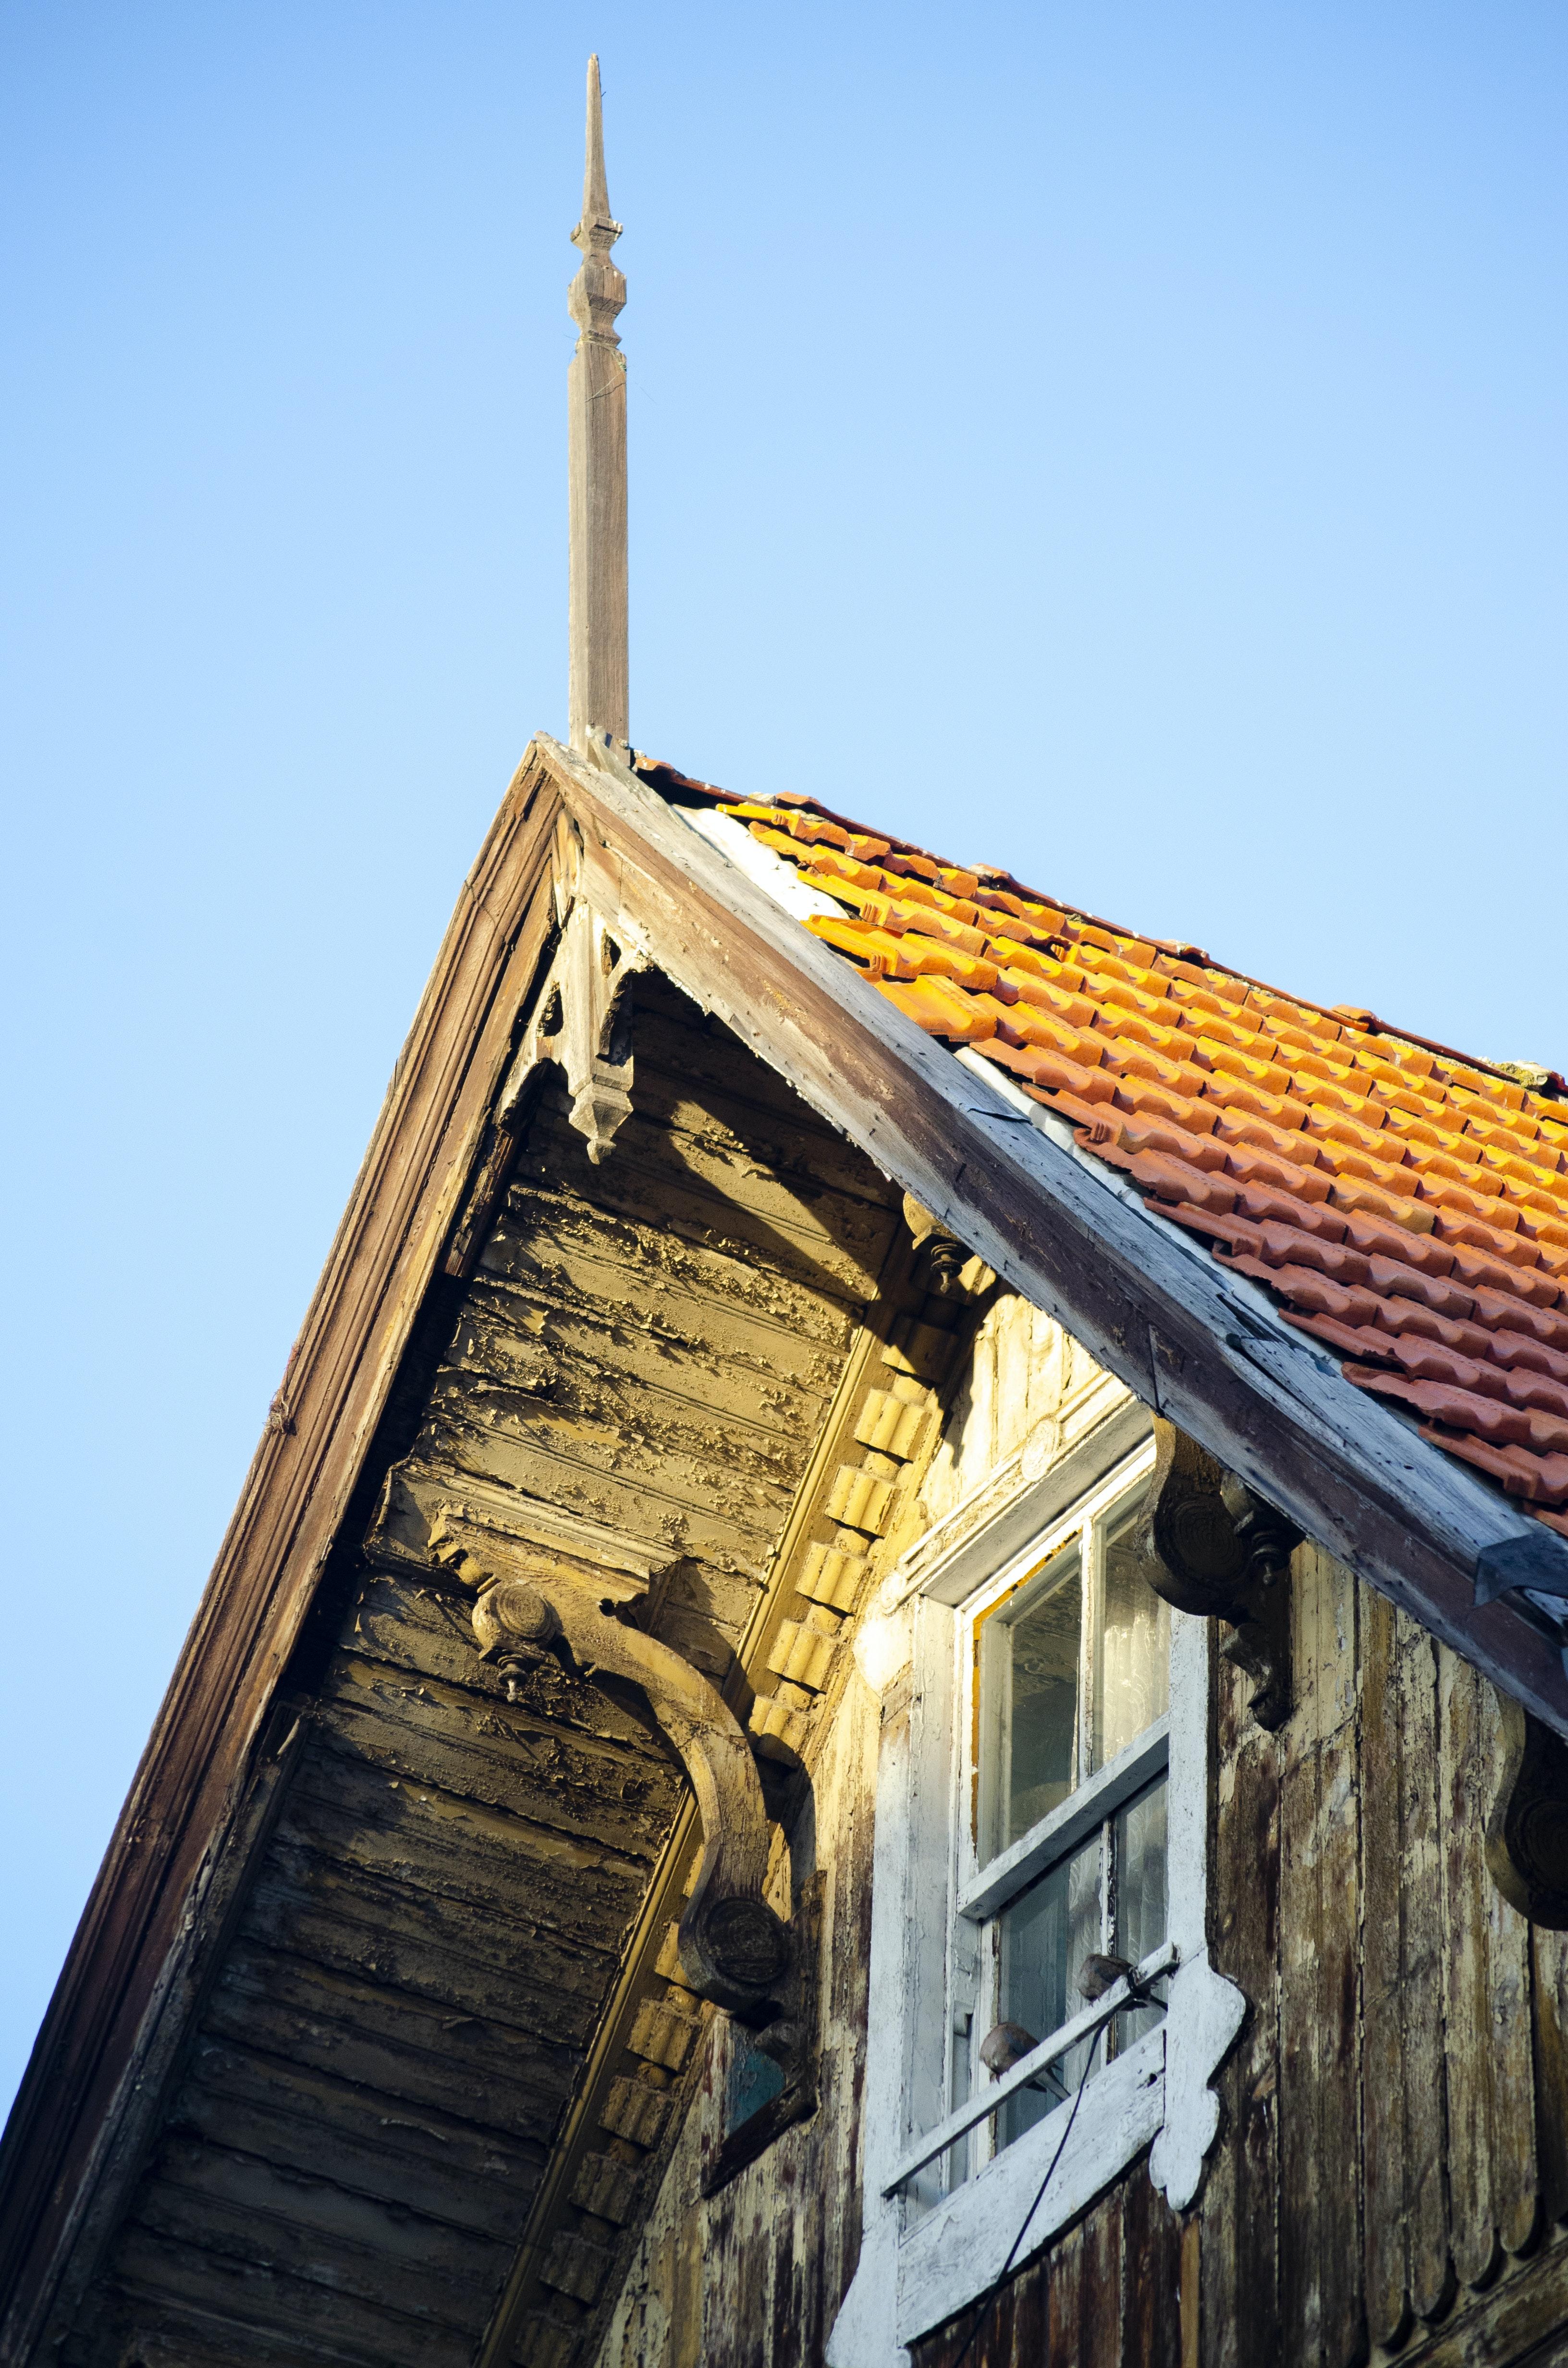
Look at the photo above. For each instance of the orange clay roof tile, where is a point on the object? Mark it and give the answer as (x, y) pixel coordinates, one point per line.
(1407, 1206)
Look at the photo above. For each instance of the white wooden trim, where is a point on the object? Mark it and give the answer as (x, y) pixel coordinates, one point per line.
(926, 2254)
(1002, 1518)
(1085, 2024)
(952, 2256)
(1205, 2010)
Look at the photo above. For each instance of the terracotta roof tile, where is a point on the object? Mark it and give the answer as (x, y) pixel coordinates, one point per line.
(1406, 1205)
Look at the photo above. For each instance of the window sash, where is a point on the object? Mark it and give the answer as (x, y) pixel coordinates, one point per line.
(1066, 1829)
(983, 1887)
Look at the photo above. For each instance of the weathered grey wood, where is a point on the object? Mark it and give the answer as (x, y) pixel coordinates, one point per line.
(396, 1910)
(229, 2274)
(1519, 2324)
(493, 1866)
(429, 2160)
(1387, 2168)
(1491, 2073)
(210, 2199)
(393, 2041)
(549, 1250)
(1323, 2304)
(1153, 1308)
(429, 1634)
(755, 1402)
(1549, 1991)
(503, 1758)
(1239, 2253)
(595, 410)
(1429, 2269)
(1149, 2316)
(838, 1245)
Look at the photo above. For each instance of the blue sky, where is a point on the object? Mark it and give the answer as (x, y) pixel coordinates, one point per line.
(1127, 444)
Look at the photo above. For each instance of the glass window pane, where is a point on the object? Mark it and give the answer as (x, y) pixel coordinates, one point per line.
(1132, 1666)
(1046, 1935)
(1028, 1671)
(1138, 1858)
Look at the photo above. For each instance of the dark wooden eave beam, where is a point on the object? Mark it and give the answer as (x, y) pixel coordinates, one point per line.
(1200, 1346)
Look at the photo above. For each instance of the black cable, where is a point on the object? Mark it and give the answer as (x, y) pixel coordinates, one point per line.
(1136, 1997)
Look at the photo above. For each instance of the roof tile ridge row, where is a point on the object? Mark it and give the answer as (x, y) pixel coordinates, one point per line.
(1442, 1287)
(1353, 1019)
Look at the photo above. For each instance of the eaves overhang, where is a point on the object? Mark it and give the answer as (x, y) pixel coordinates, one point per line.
(1200, 1346)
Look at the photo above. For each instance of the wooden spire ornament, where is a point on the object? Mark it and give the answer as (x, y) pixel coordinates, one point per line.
(595, 401)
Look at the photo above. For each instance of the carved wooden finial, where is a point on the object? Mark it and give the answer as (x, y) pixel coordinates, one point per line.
(596, 403)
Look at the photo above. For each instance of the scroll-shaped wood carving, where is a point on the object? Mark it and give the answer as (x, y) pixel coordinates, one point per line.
(1215, 1548)
(942, 1265)
(733, 1949)
(1527, 1833)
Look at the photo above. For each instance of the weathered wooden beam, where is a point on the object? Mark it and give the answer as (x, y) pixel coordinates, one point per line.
(1203, 1348)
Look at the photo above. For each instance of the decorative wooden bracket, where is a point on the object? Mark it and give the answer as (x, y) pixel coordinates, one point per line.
(581, 1021)
(732, 1948)
(1527, 1833)
(581, 1024)
(1214, 1548)
(942, 1265)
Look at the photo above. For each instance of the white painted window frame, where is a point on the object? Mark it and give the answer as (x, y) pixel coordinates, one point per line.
(924, 2257)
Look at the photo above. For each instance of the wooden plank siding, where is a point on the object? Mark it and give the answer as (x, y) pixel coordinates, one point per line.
(1390, 2176)
(431, 1932)
(1386, 2182)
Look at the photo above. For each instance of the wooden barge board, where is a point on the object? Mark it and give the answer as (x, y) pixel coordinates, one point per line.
(1203, 1347)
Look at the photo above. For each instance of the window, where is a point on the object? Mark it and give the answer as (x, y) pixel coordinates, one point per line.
(1066, 1665)
(1042, 1790)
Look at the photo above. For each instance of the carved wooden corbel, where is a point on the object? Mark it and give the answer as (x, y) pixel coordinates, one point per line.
(732, 1947)
(1214, 1548)
(1527, 1833)
(942, 1265)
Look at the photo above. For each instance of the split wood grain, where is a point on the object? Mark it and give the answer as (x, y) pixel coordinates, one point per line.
(1386, 2165)
(1240, 2215)
(1428, 2267)
(1323, 2304)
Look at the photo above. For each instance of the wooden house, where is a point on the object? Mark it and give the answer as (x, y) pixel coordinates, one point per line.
(890, 1685)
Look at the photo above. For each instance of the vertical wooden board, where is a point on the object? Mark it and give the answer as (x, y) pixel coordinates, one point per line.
(1239, 2199)
(1515, 2181)
(1151, 2256)
(1190, 2294)
(1320, 2265)
(1064, 2271)
(1467, 1988)
(1429, 2268)
(1382, 2042)
(1030, 2313)
(1099, 2303)
(1549, 2004)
